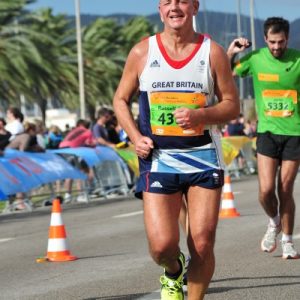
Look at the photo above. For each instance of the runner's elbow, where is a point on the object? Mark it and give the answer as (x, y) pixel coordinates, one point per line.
(236, 110)
(233, 112)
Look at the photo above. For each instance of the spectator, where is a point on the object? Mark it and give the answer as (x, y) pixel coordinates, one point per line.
(54, 137)
(14, 122)
(4, 134)
(40, 134)
(100, 131)
(250, 129)
(236, 127)
(111, 127)
(67, 130)
(80, 136)
(15, 127)
(224, 130)
(26, 141)
(123, 136)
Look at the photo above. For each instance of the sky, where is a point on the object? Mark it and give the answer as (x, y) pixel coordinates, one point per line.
(288, 9)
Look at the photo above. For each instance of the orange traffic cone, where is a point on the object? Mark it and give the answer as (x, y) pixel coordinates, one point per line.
(57, 243)
(228, 209)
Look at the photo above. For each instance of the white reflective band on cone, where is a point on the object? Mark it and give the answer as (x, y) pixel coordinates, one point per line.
(56, 245)
(227, 204)
(226, 188)
(56, 219)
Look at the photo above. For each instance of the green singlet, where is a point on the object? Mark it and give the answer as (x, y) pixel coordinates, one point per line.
(276, 88)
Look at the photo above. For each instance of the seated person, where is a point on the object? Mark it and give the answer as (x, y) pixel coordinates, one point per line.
(80, 136)
(26, 141)
(100, 131)
(54, 137)
(111, 127)
(235, 128)
(14, 124)
(4, 135)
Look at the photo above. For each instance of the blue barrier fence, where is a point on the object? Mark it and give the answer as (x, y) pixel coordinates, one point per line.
(24, 171)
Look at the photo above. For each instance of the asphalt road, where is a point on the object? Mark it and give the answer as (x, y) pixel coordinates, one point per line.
(113, 262)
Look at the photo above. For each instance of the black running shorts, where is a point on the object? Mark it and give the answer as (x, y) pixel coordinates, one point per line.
(282, 147)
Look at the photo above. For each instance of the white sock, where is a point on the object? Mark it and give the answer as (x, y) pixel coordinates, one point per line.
(286, 238)
(275, 221)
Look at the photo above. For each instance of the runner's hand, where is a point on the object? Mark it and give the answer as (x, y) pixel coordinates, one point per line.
(186, 118)
(143, 147)
(239, 45)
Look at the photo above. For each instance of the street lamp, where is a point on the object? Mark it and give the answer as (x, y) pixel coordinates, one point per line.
(80, 61)
(239, 33)
(252, 24)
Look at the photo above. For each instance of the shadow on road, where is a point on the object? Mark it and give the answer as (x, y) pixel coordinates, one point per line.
(101, 256)
(120, 297)
(248, 285)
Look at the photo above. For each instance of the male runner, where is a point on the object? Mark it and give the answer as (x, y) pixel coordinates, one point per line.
(177, 73)
(275, 70)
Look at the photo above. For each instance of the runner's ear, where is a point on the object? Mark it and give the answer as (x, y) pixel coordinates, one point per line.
(196, 7)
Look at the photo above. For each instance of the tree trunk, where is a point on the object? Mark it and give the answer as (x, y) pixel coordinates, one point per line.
(91, 112)
(42, 103)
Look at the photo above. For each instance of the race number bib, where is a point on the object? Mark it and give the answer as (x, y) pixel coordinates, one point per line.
(162, 106)
(279, 103)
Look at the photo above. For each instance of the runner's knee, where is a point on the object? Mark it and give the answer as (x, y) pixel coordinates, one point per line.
(266, 193)
(163, 251)
(203, 246)
(286, 188)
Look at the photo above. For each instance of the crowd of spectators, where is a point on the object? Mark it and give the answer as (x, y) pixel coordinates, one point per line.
(15, 133)
(240, 127)
(33, 136)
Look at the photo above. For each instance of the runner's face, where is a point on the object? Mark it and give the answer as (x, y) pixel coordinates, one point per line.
(277, 43)
(176, 13)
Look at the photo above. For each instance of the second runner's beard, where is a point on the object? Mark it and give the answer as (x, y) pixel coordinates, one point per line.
(278, 53)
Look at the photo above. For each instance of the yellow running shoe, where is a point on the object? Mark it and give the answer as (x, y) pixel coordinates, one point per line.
(171, 289)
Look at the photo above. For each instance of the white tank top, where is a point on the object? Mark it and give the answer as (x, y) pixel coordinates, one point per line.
(166, 84)
(193, 74)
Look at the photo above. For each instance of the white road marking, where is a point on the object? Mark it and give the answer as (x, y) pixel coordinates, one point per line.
(237, 192)
(296, 237)
(6, 240)
(140, 212)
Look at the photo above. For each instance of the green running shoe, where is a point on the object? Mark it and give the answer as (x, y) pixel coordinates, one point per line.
(171, 289)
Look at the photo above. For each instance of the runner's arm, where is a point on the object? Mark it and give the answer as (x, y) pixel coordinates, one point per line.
(237, 46)
(128, 86)
(228, 106)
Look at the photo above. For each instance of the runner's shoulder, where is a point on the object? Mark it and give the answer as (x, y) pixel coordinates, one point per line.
(140, 50)
(294, 52)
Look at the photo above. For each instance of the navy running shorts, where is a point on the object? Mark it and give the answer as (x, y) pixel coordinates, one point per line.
(282, 147)
(170, 183)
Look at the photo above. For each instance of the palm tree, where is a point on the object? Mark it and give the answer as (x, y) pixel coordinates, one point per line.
(55, 74)
(134, 31)
(101, 61)
(105, 46)
(38, 56)
(15, 48)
